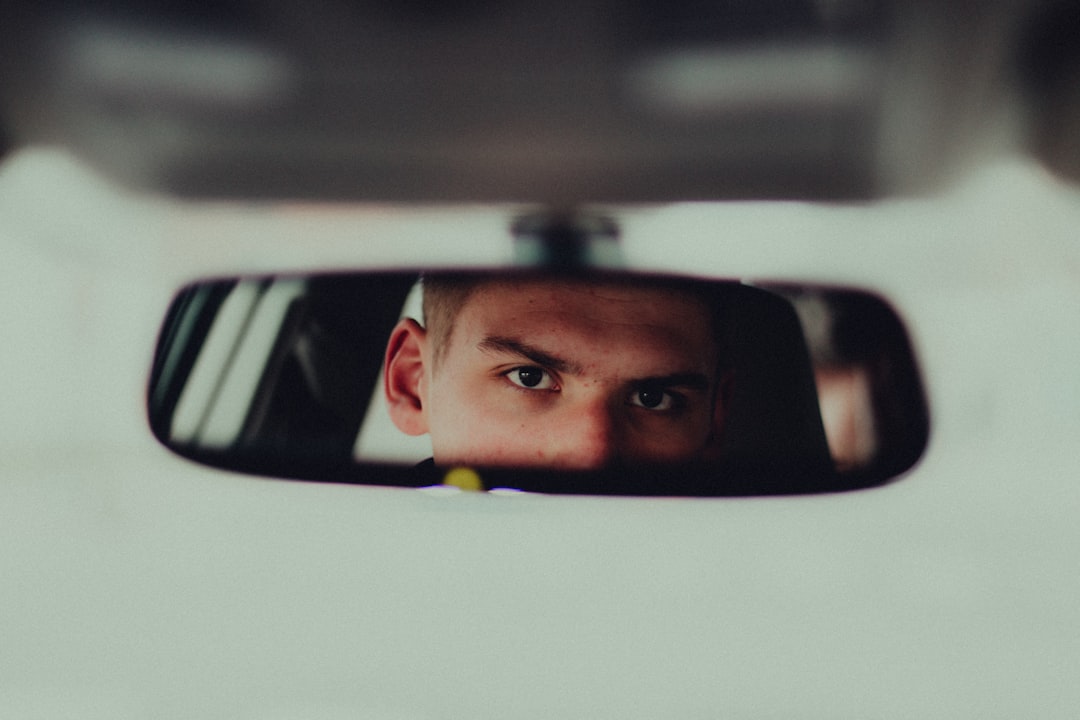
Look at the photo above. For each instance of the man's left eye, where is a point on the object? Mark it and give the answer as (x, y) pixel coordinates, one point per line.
(652, 399)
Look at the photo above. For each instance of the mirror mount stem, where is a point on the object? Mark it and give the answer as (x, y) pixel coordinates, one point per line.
(566, 241)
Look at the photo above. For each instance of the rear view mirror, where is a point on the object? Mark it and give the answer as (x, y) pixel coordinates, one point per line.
(594, 383)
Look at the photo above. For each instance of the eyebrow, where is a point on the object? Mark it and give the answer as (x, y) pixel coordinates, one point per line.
(512, 346)
(503, 344)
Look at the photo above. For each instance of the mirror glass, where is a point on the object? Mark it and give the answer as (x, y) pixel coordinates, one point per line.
(598, 383)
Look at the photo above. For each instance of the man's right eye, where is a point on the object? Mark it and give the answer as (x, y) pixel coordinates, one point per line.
(531, 377)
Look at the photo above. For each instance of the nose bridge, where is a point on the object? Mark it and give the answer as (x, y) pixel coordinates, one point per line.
(593, 432)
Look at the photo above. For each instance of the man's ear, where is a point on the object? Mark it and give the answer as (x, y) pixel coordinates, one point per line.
(403, 378)
(721, 405)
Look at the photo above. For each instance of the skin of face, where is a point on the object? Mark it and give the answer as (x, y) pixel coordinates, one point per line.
(562, 374)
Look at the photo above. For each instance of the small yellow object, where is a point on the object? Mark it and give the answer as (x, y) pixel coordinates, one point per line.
(464, 478)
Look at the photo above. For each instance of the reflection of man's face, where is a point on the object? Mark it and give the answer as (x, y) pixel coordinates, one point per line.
(562, 374)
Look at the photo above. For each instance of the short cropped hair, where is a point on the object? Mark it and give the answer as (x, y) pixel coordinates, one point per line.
(443, 297)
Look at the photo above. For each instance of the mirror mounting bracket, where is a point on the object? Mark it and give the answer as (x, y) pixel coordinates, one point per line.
(566, 241)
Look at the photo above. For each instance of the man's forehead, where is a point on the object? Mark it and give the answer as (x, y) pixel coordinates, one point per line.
(629, 296)
(570, 316)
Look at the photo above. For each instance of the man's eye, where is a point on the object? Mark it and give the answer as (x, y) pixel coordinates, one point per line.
(652, 399)
(531, 377)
